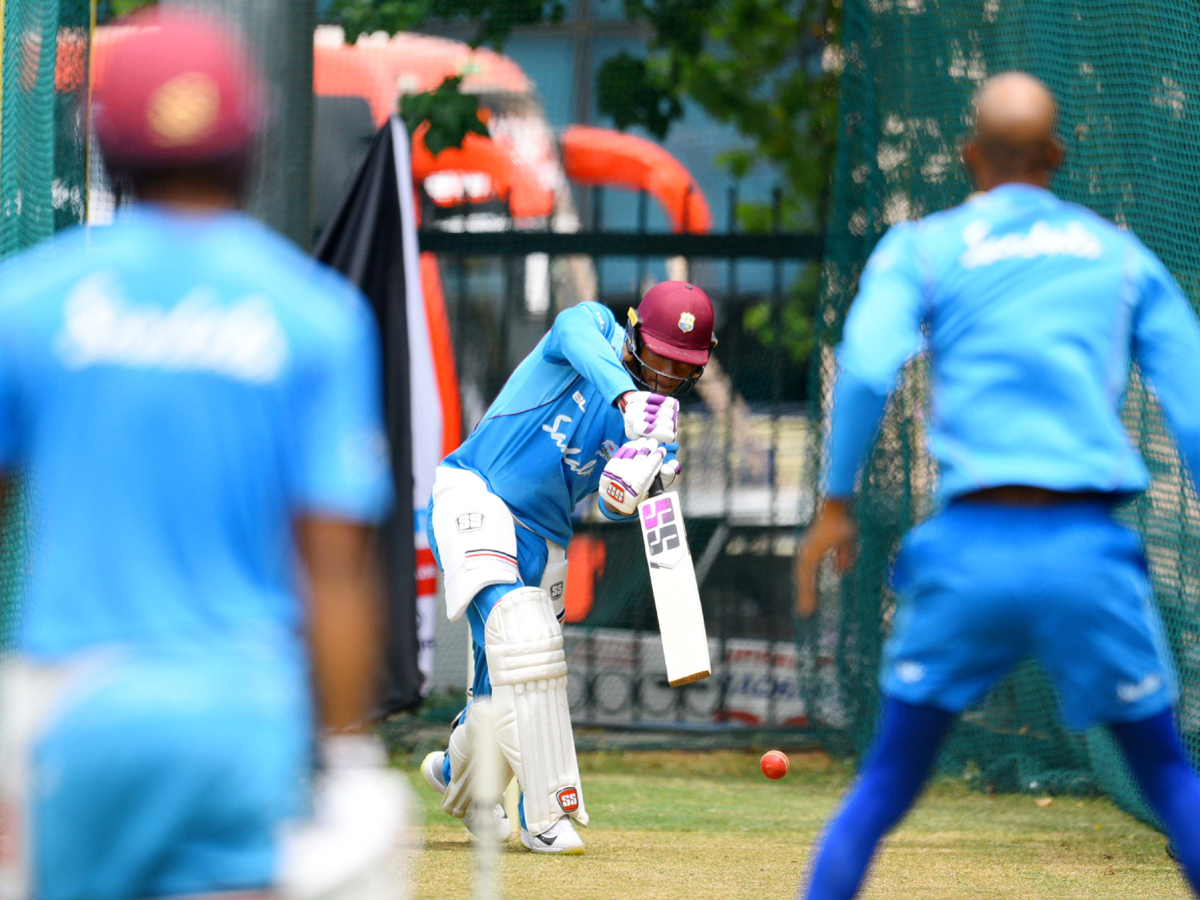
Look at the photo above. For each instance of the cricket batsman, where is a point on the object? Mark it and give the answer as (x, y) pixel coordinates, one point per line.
(593, 407)
(1033, 311)
(192, 407)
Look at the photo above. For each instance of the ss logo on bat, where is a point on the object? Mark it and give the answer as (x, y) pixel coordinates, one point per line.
(662, 534)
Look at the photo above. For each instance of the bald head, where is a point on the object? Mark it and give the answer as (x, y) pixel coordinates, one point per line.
(1014, 138)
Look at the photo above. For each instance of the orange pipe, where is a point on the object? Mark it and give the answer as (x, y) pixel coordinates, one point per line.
(598, 156)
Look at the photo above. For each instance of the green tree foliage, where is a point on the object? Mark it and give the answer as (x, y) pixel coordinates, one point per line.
(107, 10)
(451, 115)
(493, 18)
(769, 68)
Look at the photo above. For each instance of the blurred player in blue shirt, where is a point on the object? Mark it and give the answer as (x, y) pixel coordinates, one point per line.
(592, 409)
(1031, 310)
(191, 408)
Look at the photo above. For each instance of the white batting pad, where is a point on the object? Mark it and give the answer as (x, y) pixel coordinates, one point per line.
(528, 670)
(464, 766)
(476, 537)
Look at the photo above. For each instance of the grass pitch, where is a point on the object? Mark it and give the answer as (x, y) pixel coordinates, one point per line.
(693, 826)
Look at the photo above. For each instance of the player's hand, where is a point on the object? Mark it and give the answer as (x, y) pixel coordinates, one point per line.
(359, 812)
(832, 531)
(650, 416)
(626, 479)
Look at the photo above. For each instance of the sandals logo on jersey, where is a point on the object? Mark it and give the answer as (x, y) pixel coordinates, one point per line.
(568, 799)
(469, 522)
(242, 340)
(1042, 239)
(561, 440)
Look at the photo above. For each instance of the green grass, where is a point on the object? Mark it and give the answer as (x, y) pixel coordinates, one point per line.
(691, 826)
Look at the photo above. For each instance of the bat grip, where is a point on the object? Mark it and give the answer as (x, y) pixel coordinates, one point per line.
(656, 487)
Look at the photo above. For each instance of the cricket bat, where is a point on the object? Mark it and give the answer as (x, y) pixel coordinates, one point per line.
(673, 581)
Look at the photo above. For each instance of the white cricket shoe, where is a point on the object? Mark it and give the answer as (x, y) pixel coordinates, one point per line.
(561, 837)
(432, 768)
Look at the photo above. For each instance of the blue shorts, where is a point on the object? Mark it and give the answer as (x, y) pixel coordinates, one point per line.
(982, 587)
(168, 775)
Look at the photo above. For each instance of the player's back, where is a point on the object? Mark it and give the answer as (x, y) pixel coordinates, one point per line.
(159, 376)
(1027, 305)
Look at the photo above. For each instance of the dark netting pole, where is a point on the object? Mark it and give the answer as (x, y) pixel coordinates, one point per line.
(280, 34)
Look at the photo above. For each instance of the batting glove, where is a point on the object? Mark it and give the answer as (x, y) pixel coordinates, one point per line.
(670, 471)
(626, 479)
(360, 810)
(650, 416)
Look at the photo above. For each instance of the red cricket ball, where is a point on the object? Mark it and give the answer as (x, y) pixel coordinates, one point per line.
(774, 764)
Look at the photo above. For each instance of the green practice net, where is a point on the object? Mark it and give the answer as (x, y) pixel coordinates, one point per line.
(43, 170)
(1127, 78)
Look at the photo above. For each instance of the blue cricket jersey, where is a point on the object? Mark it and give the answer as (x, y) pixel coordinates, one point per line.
(177, 390)
(544, 441)
(1032, 310)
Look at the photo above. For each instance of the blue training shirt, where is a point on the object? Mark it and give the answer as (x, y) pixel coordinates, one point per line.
(545, 439)
(178, 389)
(1032, 310)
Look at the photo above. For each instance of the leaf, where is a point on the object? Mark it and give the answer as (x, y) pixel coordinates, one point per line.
(494, 19)
(628, 93)
(451, 115)
(737, 163)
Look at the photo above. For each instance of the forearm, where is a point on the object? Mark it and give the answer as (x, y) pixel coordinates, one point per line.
(344, 623)
(857, 410)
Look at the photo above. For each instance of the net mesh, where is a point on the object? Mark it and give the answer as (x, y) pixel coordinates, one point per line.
(43, 172)
(1126, 78)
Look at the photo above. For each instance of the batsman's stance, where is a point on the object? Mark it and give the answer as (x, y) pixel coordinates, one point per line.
(593, 406)
(1033, 310)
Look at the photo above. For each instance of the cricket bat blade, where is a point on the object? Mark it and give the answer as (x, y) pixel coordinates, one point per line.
(676, 594)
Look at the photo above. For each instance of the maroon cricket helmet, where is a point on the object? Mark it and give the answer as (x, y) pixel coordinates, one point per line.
(176, 89)
(675, 320)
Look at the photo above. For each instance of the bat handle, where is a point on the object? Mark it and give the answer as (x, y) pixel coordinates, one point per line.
(656, 487)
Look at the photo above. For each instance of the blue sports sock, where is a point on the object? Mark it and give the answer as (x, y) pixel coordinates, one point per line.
(446, 768)
(897, 766)
(1151, 747)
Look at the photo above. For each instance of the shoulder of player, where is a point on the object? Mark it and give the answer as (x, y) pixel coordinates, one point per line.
(1091, 218)
(1139, 257)
(934, 226)
(331, 318)
(603, 316)
(56, 259)
(29, 277)
(308, 294)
